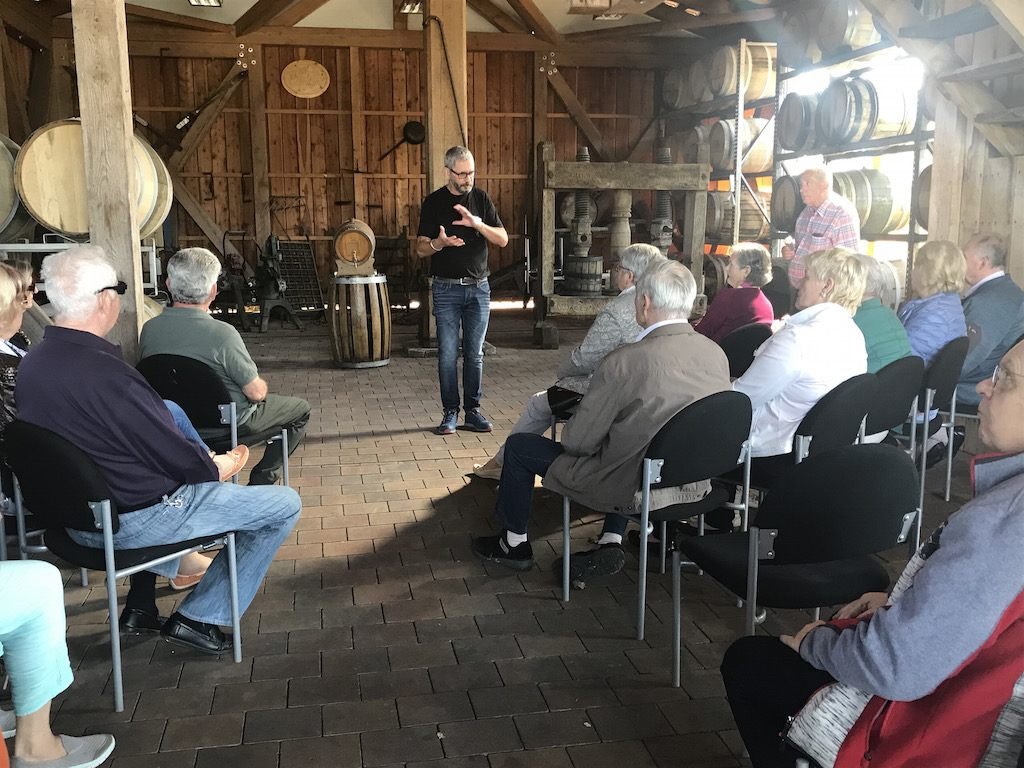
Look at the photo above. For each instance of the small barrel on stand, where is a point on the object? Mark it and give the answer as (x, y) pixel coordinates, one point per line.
(359, 314)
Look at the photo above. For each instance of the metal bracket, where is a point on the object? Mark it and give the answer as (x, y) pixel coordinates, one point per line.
(547, 63)
(97, 513)
(908, 523)
(766, 543)
(656, 466)
(246, 56)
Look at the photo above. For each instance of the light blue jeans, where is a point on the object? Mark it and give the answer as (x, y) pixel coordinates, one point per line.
(261, 516)
(32, 630)
(468, 307)
(184, 425)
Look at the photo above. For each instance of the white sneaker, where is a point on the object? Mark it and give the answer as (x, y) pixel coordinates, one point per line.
(487, 473)
(82, 752)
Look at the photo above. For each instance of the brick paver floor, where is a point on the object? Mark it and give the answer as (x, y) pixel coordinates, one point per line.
(379, 641)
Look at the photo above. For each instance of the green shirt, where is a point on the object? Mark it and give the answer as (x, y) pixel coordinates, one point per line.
(884, 335)
(196, 334)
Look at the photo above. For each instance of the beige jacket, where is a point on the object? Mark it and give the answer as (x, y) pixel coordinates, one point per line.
(634, 392)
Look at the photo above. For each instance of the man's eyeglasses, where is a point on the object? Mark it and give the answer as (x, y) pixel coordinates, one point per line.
(121, 287)
(466, 176)
(1000, 372)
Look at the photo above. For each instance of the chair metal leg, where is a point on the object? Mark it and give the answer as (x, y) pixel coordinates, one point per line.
(817, 614)
(111, 574)
(664, 536)
(83, 576)
(284, 453)
(751, 598)
(677, 610)
(565, 549)
(949, 445)
(236, 614)
(929, 394)
(641, 578)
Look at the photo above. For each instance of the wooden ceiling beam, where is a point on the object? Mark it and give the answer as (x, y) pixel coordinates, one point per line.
(686, 23)
(972, 99)
(1001, 67)
(297, 12)
(501, 20)
(535, 20)
(1010, 15)
(263, 14)
(177, 19)
(29, 22)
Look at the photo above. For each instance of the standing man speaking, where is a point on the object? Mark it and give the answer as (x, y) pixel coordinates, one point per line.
(457, 222)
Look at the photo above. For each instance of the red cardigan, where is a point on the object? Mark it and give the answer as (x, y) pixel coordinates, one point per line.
(733, 308)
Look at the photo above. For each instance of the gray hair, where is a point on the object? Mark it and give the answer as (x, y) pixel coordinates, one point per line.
(453, 155)
(879, 282)
(755, 256)
(990, 247)
(191, 273)
(73, 279)
(820, 172)
(670, 287)
(638, 258)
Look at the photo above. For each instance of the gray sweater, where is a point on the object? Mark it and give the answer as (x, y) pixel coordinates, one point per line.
(995, 320)
(614, 326)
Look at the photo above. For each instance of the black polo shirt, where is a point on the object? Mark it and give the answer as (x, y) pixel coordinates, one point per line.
(438, 210)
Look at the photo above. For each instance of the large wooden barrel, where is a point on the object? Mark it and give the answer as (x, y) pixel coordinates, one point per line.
(758, 135)
(15, 221)
(699, 89)
(796, 122)
(923, 198)
(359, 316)
(786, 203)
(163, 193)
(675, 89)
(684, 145)
(583, 275)
(871, 193)
(858, 109)
(720, 212)
(845, 24)
(355, 243)
(758, 71)
(599, 206)
(50, 178)
(799, 44)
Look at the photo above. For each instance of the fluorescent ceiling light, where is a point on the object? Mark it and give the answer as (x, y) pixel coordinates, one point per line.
(205, 3)
(411, 6)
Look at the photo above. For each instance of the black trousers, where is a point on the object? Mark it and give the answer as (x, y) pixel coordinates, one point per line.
(766, 683)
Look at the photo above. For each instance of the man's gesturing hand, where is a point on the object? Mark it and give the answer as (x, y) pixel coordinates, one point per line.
(446, 241)
(468, 219)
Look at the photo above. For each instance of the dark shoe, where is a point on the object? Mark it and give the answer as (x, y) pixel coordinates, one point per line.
(495, 549)
(449, 422)
(205, 638)
(606, 560)
(136, 620)
(264, 477)
(938, 451)
(476, 422)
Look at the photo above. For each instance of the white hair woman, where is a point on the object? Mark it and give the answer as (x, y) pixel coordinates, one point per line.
(742, 301)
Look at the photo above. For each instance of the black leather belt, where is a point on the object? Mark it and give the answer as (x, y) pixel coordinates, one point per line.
(461, 280)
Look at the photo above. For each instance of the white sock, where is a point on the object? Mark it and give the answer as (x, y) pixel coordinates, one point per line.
(609, 538)
(514, 539)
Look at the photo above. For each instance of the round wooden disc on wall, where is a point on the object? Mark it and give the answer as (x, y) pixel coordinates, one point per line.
(305, 79)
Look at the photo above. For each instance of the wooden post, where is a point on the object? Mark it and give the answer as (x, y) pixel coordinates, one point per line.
(61, 93)
(5, 126)
(447, 118)
(104, 88)
(258, 145)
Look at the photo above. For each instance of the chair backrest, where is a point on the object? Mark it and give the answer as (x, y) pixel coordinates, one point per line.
(848, 502)
(944, 373)
(897, 384)
(835, 419)
(703, 440)
(191, 384)
(739, 346)
(58, 479)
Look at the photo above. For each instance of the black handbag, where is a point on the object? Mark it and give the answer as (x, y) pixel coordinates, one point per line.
(563, 401)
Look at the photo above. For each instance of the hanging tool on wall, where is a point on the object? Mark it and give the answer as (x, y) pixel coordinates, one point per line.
(451, 76)
(189, 117)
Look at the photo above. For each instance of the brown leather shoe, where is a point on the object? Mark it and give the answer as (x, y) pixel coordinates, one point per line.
(231, 463)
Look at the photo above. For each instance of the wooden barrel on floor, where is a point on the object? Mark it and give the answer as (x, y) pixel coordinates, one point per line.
(843, 25)
(923, 198)
(15, 221)
(583, 275)
(720, 212)
(163, 188)
(871, 193)
(798, 45)
(796, 122)
(858, 109)
(758, 70)
(786, 203)
(359, 316)
(50, 178)
(758, 136)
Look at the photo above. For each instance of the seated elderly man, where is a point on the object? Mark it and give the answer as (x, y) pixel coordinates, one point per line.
(933, 672)
(188, 329)
(75, 383)
(634, 392)
(614, 326)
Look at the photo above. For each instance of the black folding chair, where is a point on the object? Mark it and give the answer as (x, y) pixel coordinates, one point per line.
(202, 395)
(896, 392)
(814, 539)
(740, 345)
(704, 440)
(65, 490)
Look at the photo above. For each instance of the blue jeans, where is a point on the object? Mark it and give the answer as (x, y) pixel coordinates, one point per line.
(183, 424)
(32, 631)
(526, 456)
(261, 516)
(468, 306)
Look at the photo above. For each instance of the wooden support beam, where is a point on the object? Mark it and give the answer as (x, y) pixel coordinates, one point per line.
(31, 25)
(535, 20)
(267, 13)
(494, 14)
(104, 88)
(62, 81)
(259, 162)
(17, 114)
(1007, 65)
(213, 231)
(972, 19)
(685, 23)
(578, 114)
(446, 116)
(297, 12)
(1001, 117)
(1010, 15)
(359, 155)
(644, 142)
(207, 117)
(5, 125)
(39, 87)
(570, 175)
(939, 59)
(177, 19)
(398, 19)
